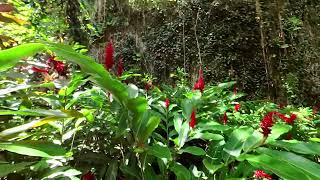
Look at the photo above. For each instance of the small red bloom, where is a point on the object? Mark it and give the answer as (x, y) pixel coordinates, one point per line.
(261, 174)
(289, 136)
(199, 85)
(281, 105)
(88, 176)
(148, 86)
(237, 107)
(225, 118)
(120, 67)
(57, 65)
(192, 122)
(108, 59)
(267, 123)
(167, 102)
(39, 70)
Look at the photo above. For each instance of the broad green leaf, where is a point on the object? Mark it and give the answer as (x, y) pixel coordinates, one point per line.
(181, 172)
(193, 150)
(148, 124)
(235, 142)
(206, 136)
(10, 57)
(7, 168)
(62, 172)
(183, 134)
(24, 86)
(112, 171)
(177, 122)
(33, 148)
(307, 166)
(277, 130)
(227, 84)
(253, 141)
(212, 167)
(298, 146)
(277, 166)
(37, 112)
(130, 171)
(76, 81)
(213, 126)
(159, 151)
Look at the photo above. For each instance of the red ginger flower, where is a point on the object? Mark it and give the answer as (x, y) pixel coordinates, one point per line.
(267, 121)
(39, 70)
(237, 107)
(88, 176)
(120, 67)
(192, 122)
(199, 85)
(225, 118)
(57, 65)
(108, 59)
(261, 174)
(167, 102)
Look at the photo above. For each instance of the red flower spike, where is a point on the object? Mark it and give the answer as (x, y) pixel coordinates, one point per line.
(108, 59)
(120, 67)
(199, 85)
(267, 123)
(148, 86)
(88, 176)
(289, 136)
(261, 174)
(57, 65)
(39, 70)
(281, 105)
(235, 91)
(237, 107)
(192, 122)
(167, 103)
(225, 118)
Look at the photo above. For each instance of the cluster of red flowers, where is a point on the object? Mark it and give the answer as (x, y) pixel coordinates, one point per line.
(167, 103)
(199, 85)
(109, 61)
(51, 62)
(192, 121)
(261, 174)
(267, 121)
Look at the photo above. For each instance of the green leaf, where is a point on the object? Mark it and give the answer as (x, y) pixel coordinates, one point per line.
(33, 148)
(194, 150)
(183, 134)
(235, 142)
(181, 172)
(112, 170)
(35, 112)
(277, 166)
(206, 136)
(10, 57)
(146, 126)
(298, 146)
(307, 166)
(277, 130)
(11, 168)
(212, 167)
(160, 151)
(253, 141)
(227, 84)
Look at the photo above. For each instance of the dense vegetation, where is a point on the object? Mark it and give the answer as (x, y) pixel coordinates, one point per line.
(139, 89)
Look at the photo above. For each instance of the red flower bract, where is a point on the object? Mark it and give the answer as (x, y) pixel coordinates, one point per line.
(225, 118)
(57, 65)
(39, 70)
(120, 67)
(108, 59)
(235, 91)
(199, 85)
(192, 122)
(267, 123)
(237, 107)
(167, 103)
(261, 174)
(88, 176)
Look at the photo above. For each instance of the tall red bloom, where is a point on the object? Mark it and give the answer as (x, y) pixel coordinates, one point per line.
(261, 174)
(108, 59)
(267, 123)
(120, 67)
(237, 107)
(39, 70)
(199, 85)
(57, 65)
(167, 102)
(88, 176)
(193, 122)
(225, 118)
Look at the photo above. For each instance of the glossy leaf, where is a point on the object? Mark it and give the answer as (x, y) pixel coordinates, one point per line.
(112, 171)
(7, 168)
(181, 172)
(194, 150)
(159, 151)
(298, 146)
(33, 148)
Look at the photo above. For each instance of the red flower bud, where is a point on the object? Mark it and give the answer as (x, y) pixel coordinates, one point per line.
(261, 174)
(39, 70)
(237, 107)
(199, 85)
(57, 65)
(88, 176)
(167, 102)
(120, 67)
(225, 118)
(108, 59)
(192, 122)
